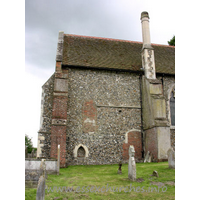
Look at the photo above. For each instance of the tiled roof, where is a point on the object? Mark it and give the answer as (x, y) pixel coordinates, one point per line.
(98, 52)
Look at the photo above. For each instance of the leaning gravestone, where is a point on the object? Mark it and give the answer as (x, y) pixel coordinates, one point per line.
(171, 158)
(41, 183)
(146, 157)
(41, 188)
(131, 164)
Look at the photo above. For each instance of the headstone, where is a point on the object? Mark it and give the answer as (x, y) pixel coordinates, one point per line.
(150, 158)
(41, 188)
(155, 173)
(58, 160)
(120, 169)
(131, 164)
(146, 157)
(41, 183)
(171, 158)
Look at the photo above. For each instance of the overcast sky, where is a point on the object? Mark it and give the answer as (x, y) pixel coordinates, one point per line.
(119, 19)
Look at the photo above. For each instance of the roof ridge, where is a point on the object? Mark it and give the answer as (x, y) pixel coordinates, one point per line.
(111, 39)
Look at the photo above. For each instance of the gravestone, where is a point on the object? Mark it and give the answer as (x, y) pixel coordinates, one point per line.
(171, 158)
(41, 188)
(120, 169)
(58, 160)
(146, 157)
(131, 164)
(155, 173)
(150, 157)
(41, 183)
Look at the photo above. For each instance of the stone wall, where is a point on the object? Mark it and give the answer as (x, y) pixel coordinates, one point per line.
(102, 107)
(172, 138)
(33, 172)
(44, 140)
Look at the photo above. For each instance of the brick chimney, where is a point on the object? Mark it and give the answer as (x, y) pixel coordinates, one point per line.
(148, 61)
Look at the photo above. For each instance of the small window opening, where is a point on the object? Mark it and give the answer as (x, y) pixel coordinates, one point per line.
(81, 152)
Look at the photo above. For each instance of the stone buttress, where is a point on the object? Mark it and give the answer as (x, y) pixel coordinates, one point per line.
(156, 129)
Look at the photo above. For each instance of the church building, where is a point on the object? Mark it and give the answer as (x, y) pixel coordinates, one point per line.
(105, 95)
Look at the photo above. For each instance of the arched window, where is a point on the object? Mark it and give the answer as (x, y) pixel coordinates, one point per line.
(81, 152)
(172, 107)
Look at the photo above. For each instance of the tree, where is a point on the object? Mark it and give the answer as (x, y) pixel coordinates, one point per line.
(172, 41)
(28, 144)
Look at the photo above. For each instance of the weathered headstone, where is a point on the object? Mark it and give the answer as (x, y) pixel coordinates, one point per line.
(120, 169)
(150, 158)
(41, 188)
(171, 158)
(41, 183)
(155, 173)
(131, 164)
(146, 157)
(58, 160)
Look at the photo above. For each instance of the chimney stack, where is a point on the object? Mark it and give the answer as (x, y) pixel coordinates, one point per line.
(148, 61)
(145, 29)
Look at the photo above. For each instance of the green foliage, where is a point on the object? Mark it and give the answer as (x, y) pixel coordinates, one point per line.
(105, 176)
(172, 41)
(28, 143)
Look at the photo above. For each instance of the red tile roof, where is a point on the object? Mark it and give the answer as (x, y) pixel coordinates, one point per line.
(97, 52)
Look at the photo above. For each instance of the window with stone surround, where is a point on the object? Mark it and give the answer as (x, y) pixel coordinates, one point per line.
(81, 152)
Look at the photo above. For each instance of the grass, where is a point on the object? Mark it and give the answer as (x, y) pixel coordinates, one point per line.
(99, 178)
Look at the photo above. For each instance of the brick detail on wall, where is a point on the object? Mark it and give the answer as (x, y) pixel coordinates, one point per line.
(89, 117)
(59, 114)
(58, 136)
(59, 107)
(134, 138)
(151, 142)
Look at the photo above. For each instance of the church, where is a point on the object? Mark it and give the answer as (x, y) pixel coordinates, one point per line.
(105, 95)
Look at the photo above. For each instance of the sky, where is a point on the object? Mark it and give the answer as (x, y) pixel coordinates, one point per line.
(118, 19)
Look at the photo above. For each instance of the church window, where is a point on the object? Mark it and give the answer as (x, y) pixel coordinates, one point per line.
(81, 152)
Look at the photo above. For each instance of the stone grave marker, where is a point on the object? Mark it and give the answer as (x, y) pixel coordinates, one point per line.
(131, 164)
(58, 160)
(171, 158)
(120, 169)
(41, 188)
(41, 183)
(155, 173)
(146, 157)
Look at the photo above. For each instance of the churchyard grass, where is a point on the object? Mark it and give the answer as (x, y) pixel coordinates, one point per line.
(97, 181)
